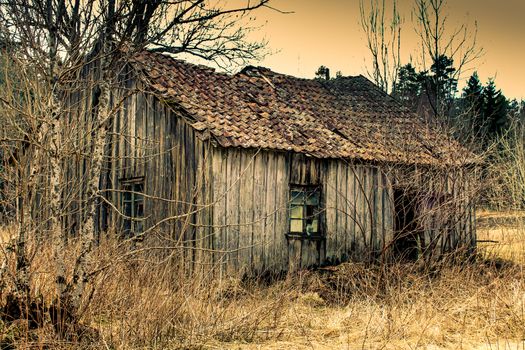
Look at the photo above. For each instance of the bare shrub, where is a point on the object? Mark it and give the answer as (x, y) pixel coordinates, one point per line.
(147, 300)
(506, 170)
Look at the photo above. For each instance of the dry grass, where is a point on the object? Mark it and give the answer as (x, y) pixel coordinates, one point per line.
(504, 233)
(143, 304)
(455, 308)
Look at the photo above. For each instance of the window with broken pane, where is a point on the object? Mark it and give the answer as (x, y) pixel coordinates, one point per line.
(305, 211)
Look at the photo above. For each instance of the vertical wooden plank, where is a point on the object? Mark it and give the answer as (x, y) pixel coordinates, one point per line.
(294, 255)
(157, 166)
(150, 164)
(232, 215)
(341, 209)
(169, 165)
(306, 253)
(115, 196)
(258, 200)
(220, 210)
(457, 214)
(380, 232)
(199, 199)
(368, 205)
(331, 202)
(281, 218)
(270, 225)
(246, 209)
(351, 208)
(209, 198)
(161, 163)
(139, 133)
(360, 203)
(177, 188)
(470, 212)
(126, 145)
(388, 212)
(190, 160)
(181, 231)
(373, 209)
(132, 113)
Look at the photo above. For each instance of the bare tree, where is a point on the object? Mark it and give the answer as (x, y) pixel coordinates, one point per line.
(383, 35)
(73, 48)
(440, 42)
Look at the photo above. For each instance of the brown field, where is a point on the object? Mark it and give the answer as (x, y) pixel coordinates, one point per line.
(471, 305)
(507, 230)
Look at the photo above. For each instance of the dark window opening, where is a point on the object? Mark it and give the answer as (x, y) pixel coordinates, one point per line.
(132, 206)
(305, 211)
(407, 233)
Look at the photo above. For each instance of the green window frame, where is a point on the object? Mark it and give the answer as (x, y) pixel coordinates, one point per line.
(305, 212)
(132, 204)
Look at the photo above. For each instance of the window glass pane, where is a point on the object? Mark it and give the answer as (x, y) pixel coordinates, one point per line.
(127, 208)
(126, 196)
(297, 212)
(311, 211)
(312, 198)
(139, 209)
(127, 225)
(297, 197)
(296, 226)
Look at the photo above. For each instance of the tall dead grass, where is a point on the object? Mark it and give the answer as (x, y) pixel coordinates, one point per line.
(145, 302)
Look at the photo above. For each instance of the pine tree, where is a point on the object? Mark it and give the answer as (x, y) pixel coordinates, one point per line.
(440, 86)
(408, 87)
(322, 72)
(472, 106)
(521, 116)
(494, 111)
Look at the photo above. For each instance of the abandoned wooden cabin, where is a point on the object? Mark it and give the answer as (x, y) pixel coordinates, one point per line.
(264, 171)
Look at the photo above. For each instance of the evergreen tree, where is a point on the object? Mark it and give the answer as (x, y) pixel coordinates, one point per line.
(514, 110)
(521, 116)
(471, 112)
(408, 86)
(495, 111)
(322, 72)
(440, 86)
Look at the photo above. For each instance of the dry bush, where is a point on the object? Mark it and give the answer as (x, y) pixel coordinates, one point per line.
(506, 170)
(142, 298)
(402, 306)
(144, 301)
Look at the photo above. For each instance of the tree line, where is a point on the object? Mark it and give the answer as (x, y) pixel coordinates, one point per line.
(479, 113)
(428, 84)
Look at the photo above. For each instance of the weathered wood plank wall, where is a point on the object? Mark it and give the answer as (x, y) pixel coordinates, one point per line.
(251, 208)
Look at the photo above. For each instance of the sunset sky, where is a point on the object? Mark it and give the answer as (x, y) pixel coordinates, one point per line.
(327, 32)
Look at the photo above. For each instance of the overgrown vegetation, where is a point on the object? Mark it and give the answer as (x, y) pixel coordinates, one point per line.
(59, 290)
(142, 303)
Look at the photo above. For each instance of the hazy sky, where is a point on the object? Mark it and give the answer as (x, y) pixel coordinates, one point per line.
(327, 32)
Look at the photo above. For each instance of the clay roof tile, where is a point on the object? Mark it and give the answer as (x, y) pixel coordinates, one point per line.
(347, 117)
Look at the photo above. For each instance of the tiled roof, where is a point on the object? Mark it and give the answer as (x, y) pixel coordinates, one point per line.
(346, 117)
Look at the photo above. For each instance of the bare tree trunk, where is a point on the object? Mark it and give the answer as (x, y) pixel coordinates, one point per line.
(89, 227)
(56, 181)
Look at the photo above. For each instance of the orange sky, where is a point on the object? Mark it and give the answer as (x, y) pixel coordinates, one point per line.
(327, 32)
